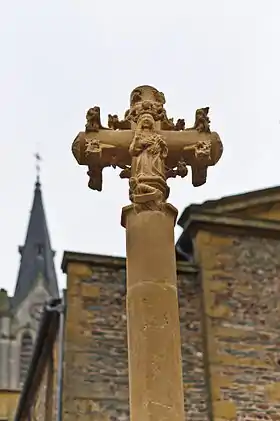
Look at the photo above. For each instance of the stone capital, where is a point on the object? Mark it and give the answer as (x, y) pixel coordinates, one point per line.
(167, 208)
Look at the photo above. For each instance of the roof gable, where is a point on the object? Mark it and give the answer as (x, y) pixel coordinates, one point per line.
(263, 204)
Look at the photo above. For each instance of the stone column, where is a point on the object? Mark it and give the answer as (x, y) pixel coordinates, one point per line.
(150, 148)
(154, 346)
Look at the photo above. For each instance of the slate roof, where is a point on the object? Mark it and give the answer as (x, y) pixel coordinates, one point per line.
(36, 254)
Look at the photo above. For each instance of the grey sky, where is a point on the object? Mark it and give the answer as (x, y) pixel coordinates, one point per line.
(60, 57)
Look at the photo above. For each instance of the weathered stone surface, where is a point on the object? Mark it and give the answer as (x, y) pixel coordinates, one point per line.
(238, 302)
(96, 360)
(241, 284)
(8, 404)
(189, 290)
(154, 345)
(148, 147)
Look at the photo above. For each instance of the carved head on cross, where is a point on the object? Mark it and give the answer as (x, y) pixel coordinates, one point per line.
(146, 122)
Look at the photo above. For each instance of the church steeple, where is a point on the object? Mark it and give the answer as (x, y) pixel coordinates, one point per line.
(36, 254)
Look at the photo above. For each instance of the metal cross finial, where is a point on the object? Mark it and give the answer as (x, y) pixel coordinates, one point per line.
(38, 167)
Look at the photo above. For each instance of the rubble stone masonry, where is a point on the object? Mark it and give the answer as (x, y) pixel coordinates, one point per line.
(96, 362)
(230, 332)
(241, 284)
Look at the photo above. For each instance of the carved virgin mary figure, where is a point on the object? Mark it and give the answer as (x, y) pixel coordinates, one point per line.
(148, 150)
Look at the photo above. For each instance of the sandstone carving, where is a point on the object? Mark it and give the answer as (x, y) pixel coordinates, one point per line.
(202, 121)
(93, 147)
(115, 124)
(93, 123)
(136, 96)
(180, 125)
(203, 149)
(181, 170)
(148, 188)
(148, 147)
(95, 177)
(126, 171)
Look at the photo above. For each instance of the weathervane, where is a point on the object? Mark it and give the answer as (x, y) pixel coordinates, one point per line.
(38, 167)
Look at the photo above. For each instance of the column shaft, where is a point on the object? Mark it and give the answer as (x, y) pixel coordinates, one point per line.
(154, 346)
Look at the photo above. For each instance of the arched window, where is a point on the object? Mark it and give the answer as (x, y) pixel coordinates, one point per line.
(26, 349)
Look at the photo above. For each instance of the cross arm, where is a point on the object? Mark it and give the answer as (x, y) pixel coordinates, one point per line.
(107, 147)
(111, 147)
(187, 144)
(147, 146)
(199, 150)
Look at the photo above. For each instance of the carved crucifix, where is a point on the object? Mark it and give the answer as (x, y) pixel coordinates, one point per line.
(148, 147)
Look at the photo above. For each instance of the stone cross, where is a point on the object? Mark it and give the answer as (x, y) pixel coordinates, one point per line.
(149, 148)
(147, 138)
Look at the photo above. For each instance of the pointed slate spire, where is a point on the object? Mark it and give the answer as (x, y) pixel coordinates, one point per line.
(36, 254)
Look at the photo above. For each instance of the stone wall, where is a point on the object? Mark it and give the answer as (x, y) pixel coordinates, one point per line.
(190, 305)
(8, 404)
(241, 284)
(96, 344)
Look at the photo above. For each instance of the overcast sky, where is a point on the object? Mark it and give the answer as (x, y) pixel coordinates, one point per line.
(60, 57)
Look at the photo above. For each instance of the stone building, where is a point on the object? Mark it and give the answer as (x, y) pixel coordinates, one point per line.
(228, 265)
(20, 314)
